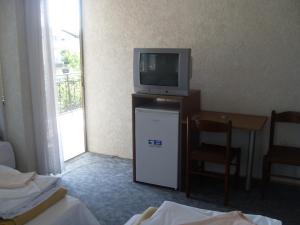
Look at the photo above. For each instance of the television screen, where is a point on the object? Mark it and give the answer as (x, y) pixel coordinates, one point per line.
(159, 69)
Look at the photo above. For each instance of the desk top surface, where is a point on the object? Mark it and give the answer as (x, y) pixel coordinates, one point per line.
(240, 121)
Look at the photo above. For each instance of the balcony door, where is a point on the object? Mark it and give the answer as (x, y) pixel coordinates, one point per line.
(65, 32)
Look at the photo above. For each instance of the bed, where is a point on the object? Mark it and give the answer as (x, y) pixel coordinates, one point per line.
(67, 211)
(52, 207)
(172, 213)
(62, 211)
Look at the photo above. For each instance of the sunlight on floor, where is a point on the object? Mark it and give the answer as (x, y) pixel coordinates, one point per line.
(71, 127)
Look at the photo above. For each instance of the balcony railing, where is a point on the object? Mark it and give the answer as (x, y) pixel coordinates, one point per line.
(69, 92)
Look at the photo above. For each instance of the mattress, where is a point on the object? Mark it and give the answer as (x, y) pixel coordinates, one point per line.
(67, 211)
(171, 213)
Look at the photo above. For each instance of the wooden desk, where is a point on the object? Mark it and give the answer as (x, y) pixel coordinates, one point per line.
(251, 123)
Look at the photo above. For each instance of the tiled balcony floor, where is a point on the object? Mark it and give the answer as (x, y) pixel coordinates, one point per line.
(71, 129)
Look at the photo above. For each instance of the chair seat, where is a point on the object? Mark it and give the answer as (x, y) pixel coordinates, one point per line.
(284, 155)
(213, 153)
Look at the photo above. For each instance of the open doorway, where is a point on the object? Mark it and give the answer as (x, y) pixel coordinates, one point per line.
(65, 23)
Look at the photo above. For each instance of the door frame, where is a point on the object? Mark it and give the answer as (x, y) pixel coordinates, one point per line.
(81, 43)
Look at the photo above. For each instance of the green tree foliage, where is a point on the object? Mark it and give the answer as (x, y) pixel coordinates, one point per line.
(72, 60)
(69, 94)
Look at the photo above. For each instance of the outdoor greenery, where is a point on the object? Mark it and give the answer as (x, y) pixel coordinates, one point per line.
(68, 84)
(69, 93)
(71, 60)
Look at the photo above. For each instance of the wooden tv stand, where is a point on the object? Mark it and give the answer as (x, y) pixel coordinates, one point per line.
(185, 104)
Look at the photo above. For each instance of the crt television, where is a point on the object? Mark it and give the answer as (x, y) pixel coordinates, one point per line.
(162, 71)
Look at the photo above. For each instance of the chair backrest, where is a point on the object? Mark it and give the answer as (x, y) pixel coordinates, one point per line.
(198, 125)
(211, 126)
(284, 117)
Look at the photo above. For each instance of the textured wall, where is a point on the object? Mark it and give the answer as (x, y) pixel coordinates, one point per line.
(16, 83)
(246, 58)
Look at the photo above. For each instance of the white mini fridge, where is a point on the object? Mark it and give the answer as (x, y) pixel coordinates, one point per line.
(156, 144)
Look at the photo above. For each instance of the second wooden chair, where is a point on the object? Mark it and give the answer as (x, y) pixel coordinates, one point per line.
(280, 154)
(202, 152)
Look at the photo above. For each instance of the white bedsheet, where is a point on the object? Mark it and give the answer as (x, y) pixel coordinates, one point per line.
(171, 213)
(68, 211)
(16, 201)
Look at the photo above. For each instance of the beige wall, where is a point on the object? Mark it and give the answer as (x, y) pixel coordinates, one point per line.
(16, 83)
(245, 59)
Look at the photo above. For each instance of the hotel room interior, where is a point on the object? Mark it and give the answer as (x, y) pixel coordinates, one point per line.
(150, 112)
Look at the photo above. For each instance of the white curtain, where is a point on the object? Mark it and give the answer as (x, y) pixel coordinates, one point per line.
(2, 109)
(41, 67)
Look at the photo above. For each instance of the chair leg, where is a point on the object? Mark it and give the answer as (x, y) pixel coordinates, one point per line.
(237, 170)
(226, 184)
(187, 187)
(264, 177)
(187, 180)
(202, 166)
(266, 174)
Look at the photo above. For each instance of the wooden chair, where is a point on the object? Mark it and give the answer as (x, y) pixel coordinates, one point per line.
(203, 152)
(278, 154)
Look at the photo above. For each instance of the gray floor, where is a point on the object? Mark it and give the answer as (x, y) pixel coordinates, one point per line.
(105, 185)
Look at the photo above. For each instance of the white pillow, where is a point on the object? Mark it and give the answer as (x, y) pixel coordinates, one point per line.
(8, 170)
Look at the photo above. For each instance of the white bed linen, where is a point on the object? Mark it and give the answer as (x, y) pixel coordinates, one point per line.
(171, 213)
(68, 211)
(16, 201)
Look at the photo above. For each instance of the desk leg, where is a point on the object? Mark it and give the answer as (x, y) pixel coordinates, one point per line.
(250, 159)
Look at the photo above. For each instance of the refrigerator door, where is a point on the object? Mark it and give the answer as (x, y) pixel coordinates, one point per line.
(156, 135)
